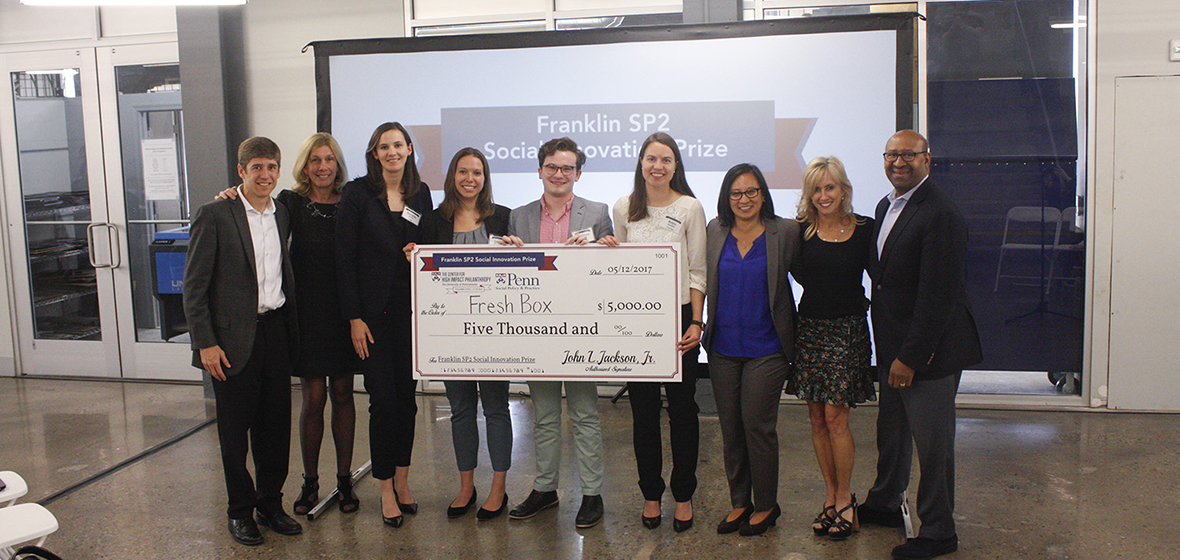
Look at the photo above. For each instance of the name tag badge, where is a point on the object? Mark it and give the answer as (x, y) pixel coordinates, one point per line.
(671, 224)
(411, 215)
(494, 239)
(588, 233)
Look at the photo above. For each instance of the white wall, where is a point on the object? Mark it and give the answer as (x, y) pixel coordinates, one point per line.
(1132, 39)
(281, 80)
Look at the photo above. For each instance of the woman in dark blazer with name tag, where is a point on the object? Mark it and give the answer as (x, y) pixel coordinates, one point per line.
(750, 340)
(379, 214)
(467, 216)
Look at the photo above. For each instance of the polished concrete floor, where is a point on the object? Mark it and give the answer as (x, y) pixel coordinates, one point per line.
(1032, 484)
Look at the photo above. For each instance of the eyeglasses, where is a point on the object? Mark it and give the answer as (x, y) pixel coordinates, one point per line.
(748, 193)
(905, 156)
(554, 169)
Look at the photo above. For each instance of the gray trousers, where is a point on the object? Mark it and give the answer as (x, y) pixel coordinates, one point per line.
(582, 399)
(922, 415)
(748, 392)
(463, 396)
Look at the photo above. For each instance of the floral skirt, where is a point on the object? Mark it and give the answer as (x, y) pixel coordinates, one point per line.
(833, 361)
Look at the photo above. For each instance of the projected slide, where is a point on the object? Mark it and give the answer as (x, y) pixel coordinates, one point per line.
(749, 93)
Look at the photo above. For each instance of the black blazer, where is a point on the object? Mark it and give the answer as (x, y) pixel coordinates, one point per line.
(921, 313)
(369, 257)
(221, 286)
(442, 232)
(782, 250)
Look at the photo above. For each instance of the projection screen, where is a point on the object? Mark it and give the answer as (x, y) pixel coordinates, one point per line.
(772, 93)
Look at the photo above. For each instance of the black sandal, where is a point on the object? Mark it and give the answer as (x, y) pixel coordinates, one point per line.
(824, 521)
(308, 495)
(842, 528)
(349, 503)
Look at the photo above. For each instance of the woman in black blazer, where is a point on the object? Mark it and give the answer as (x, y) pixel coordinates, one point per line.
(379, 214)
(467, 216)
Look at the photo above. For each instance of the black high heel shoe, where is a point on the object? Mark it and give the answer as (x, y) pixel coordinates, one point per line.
(680, 525)
(456, 512)
(308, 495)
(842, 528)
(823, 521)
(751, 529)
(726, 526)
(406, 508)
(348, 503)
(486, 514)
(652, 522)
(394, 522)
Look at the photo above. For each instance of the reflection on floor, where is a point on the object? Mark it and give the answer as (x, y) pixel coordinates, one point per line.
(1076, 485)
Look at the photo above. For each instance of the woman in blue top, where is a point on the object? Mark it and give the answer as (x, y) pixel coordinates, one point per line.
(750, 340)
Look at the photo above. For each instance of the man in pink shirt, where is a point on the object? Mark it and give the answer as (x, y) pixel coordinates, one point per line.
(561, 217)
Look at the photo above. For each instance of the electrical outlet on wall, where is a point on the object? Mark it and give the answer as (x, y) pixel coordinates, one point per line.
(1174, 52)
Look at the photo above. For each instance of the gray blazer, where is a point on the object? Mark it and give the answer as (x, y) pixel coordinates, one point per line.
(525, 222)
(782, 248)
(221, 286)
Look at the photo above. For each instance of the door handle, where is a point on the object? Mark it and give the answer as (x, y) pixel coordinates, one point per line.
(90, 245)
(115, 254)
(116, 250)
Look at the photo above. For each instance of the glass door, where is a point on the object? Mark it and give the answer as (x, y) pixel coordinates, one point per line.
(143, 125)
(63, 246)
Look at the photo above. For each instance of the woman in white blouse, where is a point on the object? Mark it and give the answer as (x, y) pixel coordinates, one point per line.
(662, 209)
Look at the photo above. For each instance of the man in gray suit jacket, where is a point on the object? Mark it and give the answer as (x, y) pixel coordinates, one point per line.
(238, 300)
(561, 217)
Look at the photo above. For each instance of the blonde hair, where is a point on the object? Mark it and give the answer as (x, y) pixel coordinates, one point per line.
(302, 182)
(812, 175)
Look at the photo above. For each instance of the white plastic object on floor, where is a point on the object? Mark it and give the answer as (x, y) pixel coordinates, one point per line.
(16, 487)
(25, 522)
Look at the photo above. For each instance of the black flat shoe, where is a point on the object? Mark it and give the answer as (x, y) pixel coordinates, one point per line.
(923, 548)
(486, 514)
(406, 508)
(883, 517)
(279, 522)
(245, 531)
(309, 494)
(751, 529)
(823, 521)
(726, 526)
(456, 512)
(349, 503)
(590, 514)
(842, 528)
(535, 503)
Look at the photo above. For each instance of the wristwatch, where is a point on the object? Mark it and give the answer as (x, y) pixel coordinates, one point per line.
(700, 324)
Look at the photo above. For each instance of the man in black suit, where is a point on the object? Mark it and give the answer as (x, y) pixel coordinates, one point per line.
(925, 336)
(238, 300)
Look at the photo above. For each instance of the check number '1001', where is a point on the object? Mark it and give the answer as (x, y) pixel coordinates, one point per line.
(628, 306)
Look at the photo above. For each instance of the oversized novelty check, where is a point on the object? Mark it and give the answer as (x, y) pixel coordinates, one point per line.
(546, 312)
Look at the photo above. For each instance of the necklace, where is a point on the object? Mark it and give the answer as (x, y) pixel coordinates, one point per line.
(834, 238)
(317, 213)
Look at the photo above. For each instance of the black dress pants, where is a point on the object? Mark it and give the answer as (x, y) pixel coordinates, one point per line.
(254, 409)
(683, 425)
(390, 383)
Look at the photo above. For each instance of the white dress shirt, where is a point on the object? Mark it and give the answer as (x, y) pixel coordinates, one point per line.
(896, 205)
(268, 254)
